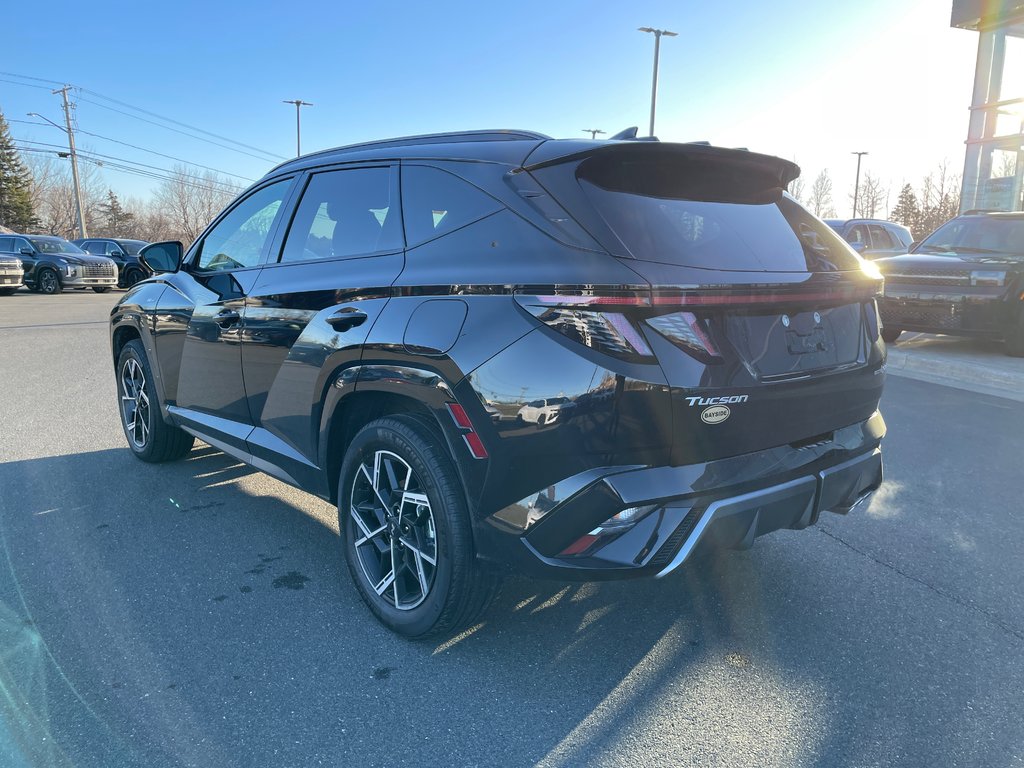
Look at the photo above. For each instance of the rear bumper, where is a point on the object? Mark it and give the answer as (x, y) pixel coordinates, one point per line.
(724, 503)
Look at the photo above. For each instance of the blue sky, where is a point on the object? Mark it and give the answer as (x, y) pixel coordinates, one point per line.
(810, 81)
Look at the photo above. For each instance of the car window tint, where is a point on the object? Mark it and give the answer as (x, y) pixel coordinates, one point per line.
(6, 244)
(344, 213)
(435, 202)
(858, 234)
(239, 238)
(880, 238)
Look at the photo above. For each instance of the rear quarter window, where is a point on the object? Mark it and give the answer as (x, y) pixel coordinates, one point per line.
(435, 202)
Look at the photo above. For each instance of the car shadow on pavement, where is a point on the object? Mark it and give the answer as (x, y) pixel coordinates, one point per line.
(189, 614)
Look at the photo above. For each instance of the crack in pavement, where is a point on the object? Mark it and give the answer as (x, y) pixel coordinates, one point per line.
(991, 617)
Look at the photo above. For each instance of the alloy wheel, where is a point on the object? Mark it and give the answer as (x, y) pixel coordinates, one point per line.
(395, 535)
(48, 281)
(135, 403)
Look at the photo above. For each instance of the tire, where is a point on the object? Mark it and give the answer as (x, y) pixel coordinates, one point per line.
(889, 335)
(101, 288)
(131, 277)
(150, 438)
(8, 291)
(412, 466)
(1014, 343)
(48, 281)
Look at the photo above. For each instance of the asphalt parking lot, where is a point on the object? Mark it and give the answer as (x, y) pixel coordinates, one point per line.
(199, 614)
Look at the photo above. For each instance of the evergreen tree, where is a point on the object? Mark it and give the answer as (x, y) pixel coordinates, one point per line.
(907, 211)
(15, 185)
(116, 220)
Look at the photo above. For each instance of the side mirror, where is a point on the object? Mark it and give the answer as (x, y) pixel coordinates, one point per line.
(913, 246)
(116, 255)
(163, 257)
(27, 252)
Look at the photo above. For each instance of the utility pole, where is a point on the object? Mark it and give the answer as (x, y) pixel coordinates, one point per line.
(657, 48)
(299, 104)
(74, 159)
(856, 185)
(593, 132)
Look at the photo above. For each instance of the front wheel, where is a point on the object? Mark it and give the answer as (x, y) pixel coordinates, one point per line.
(405, 530)
(131, 277)
(48, 282)
(1014, 343)
(149, 436)
(889, 335)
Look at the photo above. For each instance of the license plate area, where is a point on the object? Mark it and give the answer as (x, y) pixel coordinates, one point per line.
(782, 344)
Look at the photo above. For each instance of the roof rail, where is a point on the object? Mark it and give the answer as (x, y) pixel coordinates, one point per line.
(428, 138)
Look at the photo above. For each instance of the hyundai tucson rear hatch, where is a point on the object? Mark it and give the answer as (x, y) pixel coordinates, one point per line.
(761, 317)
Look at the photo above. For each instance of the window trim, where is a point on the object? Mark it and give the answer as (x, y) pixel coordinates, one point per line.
(274, 258)
(191, 260)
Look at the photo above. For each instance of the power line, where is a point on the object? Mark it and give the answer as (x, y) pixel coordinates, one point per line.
(148, 168)
(175, 130)
(141, 149)
(151, 114)
(178, 122)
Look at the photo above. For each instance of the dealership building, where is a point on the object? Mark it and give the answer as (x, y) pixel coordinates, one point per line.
(994, 163)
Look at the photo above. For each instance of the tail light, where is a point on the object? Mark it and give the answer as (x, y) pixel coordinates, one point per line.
(686, 331)
(598, 322)
(616, 524)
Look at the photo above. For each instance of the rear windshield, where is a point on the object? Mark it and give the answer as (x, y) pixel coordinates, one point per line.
(679, 211)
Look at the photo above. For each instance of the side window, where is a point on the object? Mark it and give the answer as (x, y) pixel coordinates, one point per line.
(858, 234)
(901, 236)
(239, 238)
(21, 242)
(344, 213)
(435, 202)
(6, 244)
(880, 238)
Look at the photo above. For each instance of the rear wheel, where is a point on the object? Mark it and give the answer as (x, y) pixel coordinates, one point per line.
(1014, 344)
(889, 335)
(149, 437)
(47, 281)
(101, 288)
(405, 530)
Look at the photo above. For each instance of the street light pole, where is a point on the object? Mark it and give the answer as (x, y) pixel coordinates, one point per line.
(299, 104)
(856, 185)
(74, 155)
(657, 50)
(593, 132)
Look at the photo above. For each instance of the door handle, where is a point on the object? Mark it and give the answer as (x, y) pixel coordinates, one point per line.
(226, 318)
(346, 318)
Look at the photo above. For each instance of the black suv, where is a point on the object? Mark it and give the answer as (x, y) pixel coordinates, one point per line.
(124, 253)
(965, 279)
(52, 264)
(499, 351)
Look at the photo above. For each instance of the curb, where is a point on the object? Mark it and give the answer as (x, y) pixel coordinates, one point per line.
(971, 376)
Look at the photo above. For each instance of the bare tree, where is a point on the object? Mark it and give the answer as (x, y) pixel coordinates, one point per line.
(190, 200)
(872, 201)
(820, 200)
(796, 188)
(53, 195)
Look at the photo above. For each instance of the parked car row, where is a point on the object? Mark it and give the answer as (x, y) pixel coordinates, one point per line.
(964, 279)
(48, 264)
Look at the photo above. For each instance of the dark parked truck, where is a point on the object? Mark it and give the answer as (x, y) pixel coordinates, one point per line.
(11, 272)
(499, 352)
(965, 279)
(52, 264)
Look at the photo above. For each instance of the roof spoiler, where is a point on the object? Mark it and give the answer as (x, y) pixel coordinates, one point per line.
(780, 172)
